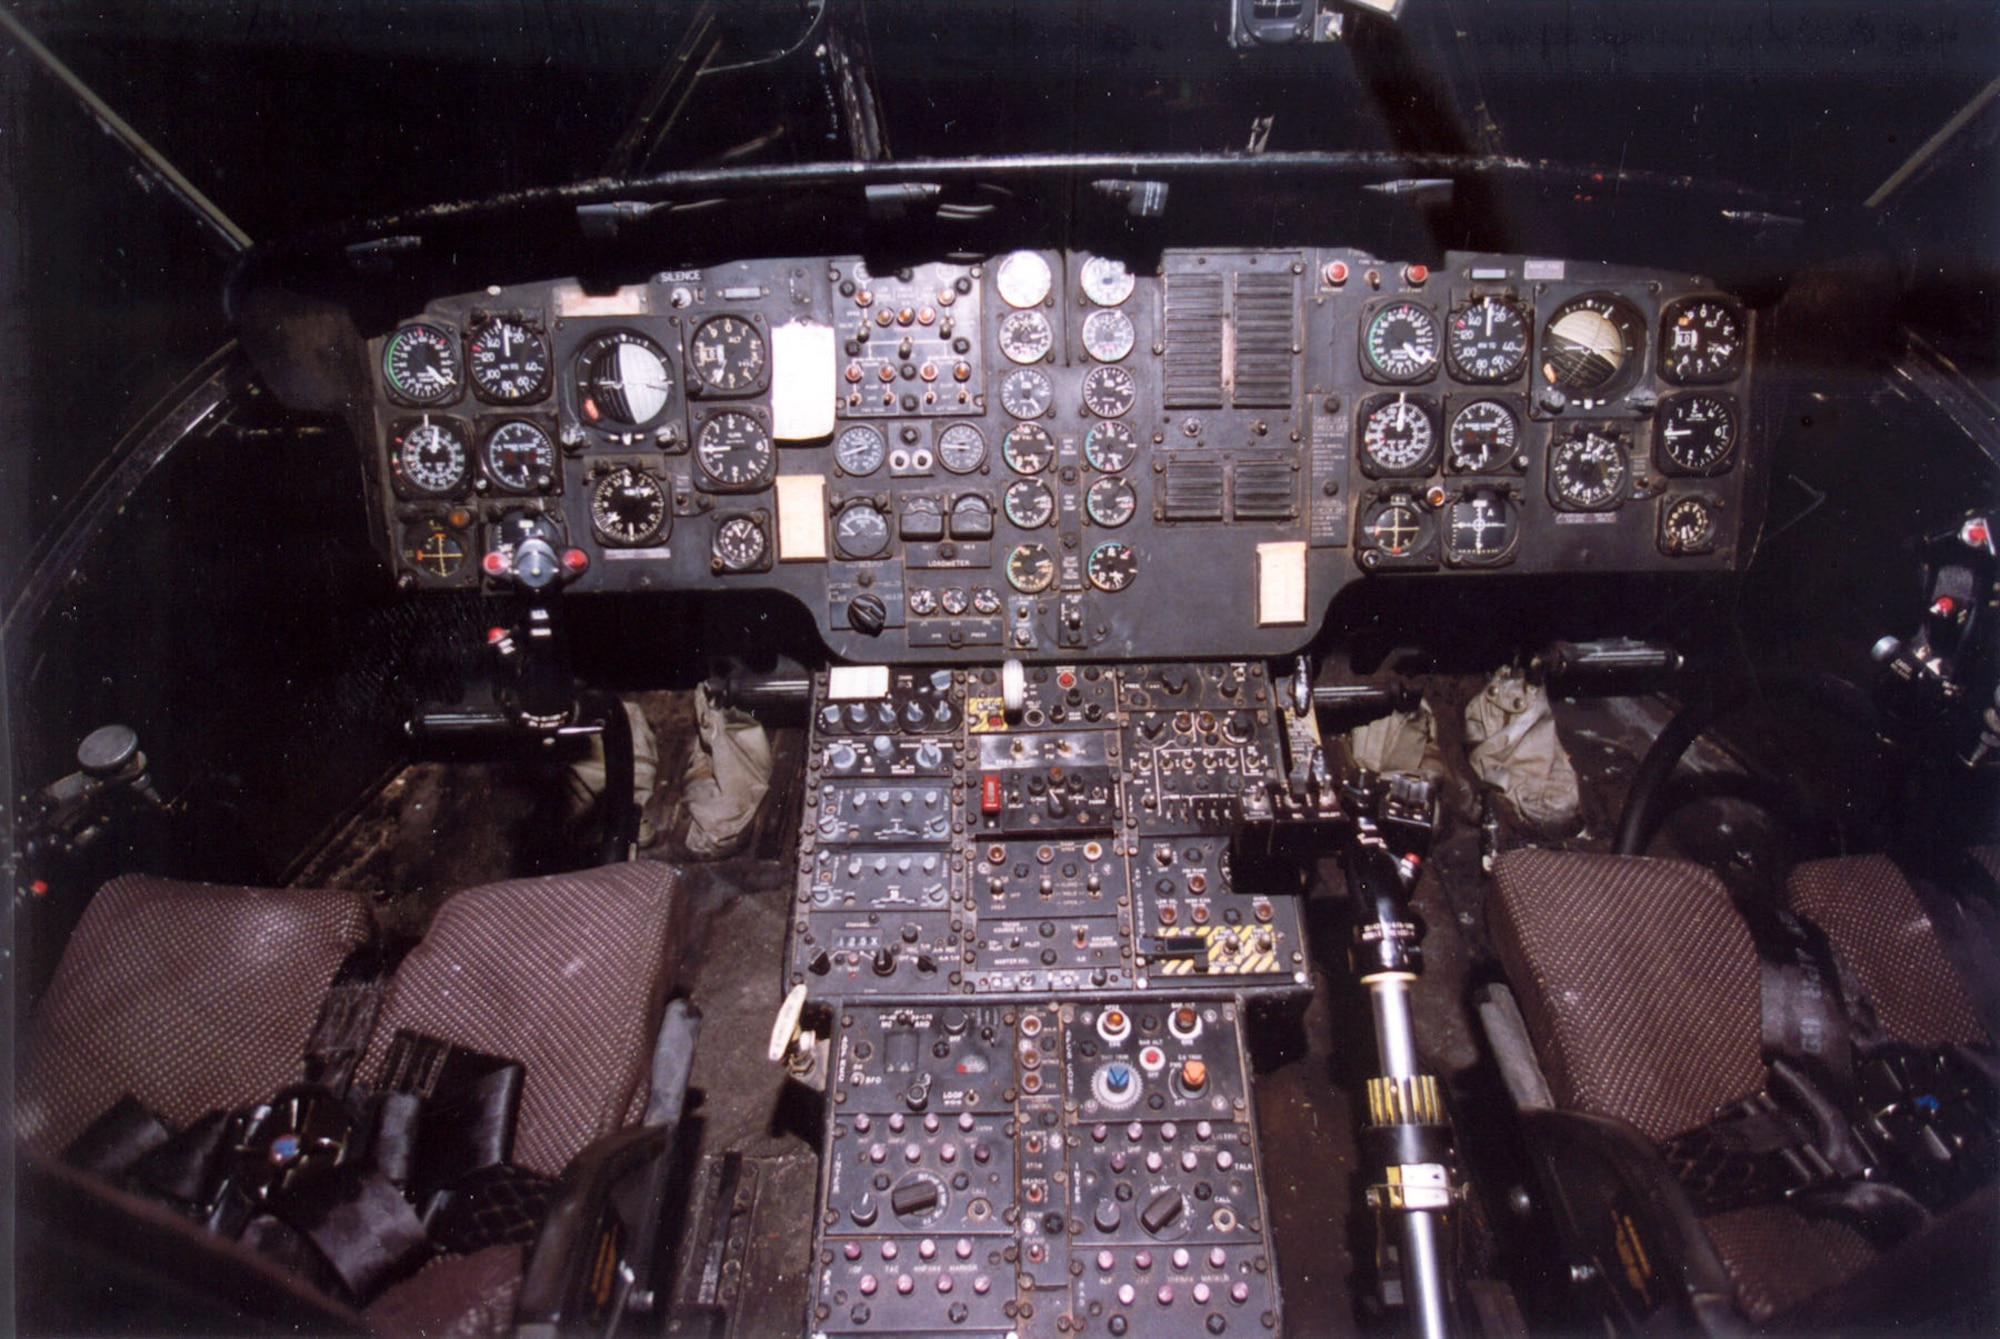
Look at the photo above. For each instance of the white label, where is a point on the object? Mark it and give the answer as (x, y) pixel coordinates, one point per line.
(803, 373)
(801, 518)
(1281, 583)
(1542, 269)
(632, 300)
(857, 683)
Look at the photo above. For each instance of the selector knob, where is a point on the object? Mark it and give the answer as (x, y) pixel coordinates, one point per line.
(929, 754)
(1107, 1215)
(841, 757)
(914, 713)
(864, 1211)
(866, 614)
(885, 961)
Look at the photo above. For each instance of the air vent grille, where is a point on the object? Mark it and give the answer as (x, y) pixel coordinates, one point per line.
(1277, 10)
(1265, 313)
(1193, 377)
(1266, 490)
(1191, 490)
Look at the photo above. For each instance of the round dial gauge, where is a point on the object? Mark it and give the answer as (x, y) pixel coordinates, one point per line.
(1026, 337)
(923, 602)
(1702, 339)
(727, 355)
(1687, 525)
(520, 457)
(1111, 502)
(1397, 436)
(985, 600)
(1479, 527)
(1593, 345)
(1028, 448)
(628, 507)
(1394, 526)
(1588, 470)
(1109, 392)
(1112, 566)
(860, 531)
(859, 450)
(954, 601)
(434, 548)
(1030, 504)
(431, 456)
(734, 451)
(509, 360)
(961, 449)
(1111, 447)
(1485, 435)
(1030, 568)
(1106, 281)
(1027, 392)
(1108, 335)
(1487, 342)
(420, 364)
(1401, 342)
(740, 545)
(1023, 279)
(1697, 433)
(622, 380)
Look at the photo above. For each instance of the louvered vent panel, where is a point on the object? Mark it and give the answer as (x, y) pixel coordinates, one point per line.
(1265, 307)
(1194, 342)
(1277, 9)
(1192, 491)
(1266, 490)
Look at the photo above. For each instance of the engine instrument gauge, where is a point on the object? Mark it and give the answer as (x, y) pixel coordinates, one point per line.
(985, 600)
(622, 380)
(1028, 448)
(1485, 435)
(1687, 525)
(1027, 392)
(923, 602)
(1589, 469)
(1593, 346)
(1400, 343)
(1487, 341)
(1480, 528)
(1398, 436)
(420, 364)
(1029, 503)
(1108, 335)
(1111, 447)
(1111, 502)
(961, 449)
(860, 531)
(740, 545)
(1701, 340)
(509, 361)
(1112, 567)
(1109, 392)
(1023, 279)
(1106, 281)
(628, 507)
(734, 452)
(1026, 337)
(860, 450)
(726, 356)
(1394, 525)
(430, 456)
(954, 601)
(434, 548)
(520, 457)
(1030, 568)
(1696, 433)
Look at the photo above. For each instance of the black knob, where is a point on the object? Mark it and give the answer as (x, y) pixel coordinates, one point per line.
(916, 1196)
(867, 615)
(1160, 1214)
(863, 1213)
(885, 961)
(1107, 1216)
(106, 750)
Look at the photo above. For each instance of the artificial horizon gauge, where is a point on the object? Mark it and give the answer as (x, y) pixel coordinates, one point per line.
(960, 448)
(1023, 279)
(1480, 527)
(1028, 448)
(1487, 341)
(740, 545)
(726, 356)
(1696, 433)
(1702, 340)
(1108, 335)
(1589, 469)
(859, 450)
(1400, 343)
(430, 456)
(734, 452)
(1110, 446)
(622, 380)
(1109, 392)
(509, 360)
(1027, 392)
(1398, 435)
(1112, 567)
(434, 548)
(1029, 504)
(520, 457)
(1485, 435)
(1026, 337)
(860, 531)
(1106, 282)
(1394, 525)
(1030, 568)
(1111, 502)
(628, 507)
(420, 364)
(1687, 525)
(1593, 347)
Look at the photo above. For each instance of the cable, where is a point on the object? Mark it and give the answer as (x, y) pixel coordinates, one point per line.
(818, 18)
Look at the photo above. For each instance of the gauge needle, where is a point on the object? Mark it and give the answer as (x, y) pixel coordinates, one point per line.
(1675, 432)
(1412, 352)
(1488, 304)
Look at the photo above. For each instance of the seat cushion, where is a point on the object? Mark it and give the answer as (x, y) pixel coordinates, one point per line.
(191, 997)
(568, 975)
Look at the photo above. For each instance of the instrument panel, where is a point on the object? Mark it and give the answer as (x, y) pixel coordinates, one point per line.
(1050, 455)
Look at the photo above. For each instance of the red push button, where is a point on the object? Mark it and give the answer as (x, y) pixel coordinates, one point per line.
(989, 793)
